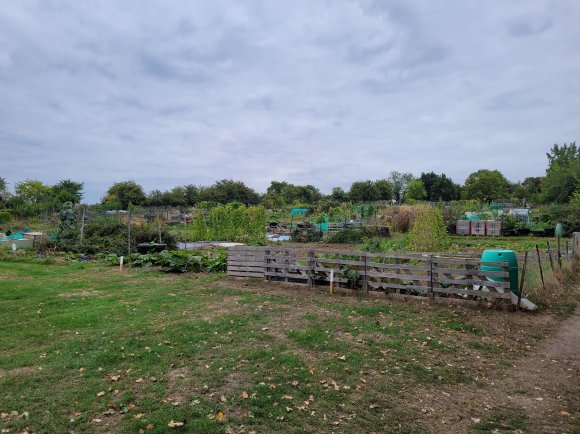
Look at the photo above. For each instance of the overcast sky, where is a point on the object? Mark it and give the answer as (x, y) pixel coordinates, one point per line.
(169, 93)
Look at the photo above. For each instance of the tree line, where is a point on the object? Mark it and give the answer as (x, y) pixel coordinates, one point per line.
(559, 185)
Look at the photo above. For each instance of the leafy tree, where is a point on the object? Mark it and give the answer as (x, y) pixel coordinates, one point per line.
(385, 189)
(281, 193)
(563, 173)
(415, 191)
(121, 194)
(439, 187)
(486, 185)
(338, 194)
(363, 191)
(4, 195)
(228, 190)
(190, 194)
(67, 191)
(400, 181)
(32, 192)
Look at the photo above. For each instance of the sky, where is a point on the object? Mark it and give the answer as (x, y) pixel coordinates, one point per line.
(170, 93)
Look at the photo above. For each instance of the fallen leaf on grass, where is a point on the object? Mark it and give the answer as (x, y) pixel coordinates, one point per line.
(115, 377)
(173, 424)
(82, 369)
(245, 395)
(102, 393)
(139, 416)
(149, 427)
(288, 397)
(342, 358)
(139, 380)
(219, 416)
(97, 420)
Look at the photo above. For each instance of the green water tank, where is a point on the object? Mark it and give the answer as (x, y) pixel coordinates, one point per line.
(559, 230)
(509, 256)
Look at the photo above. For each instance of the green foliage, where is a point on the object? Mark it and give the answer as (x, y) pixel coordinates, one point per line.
(512, 225)
(486, 185)
(176, 261)
(67, 191)
(439, 187)
(228, 190)
(109, 235)
(310, 234)
(563, 173)
(121, 194)
(5, 217)
(415, 191)
(231, 223)
(280, 194)
(338, 194)
(349, 236)
(428, 232)
(399, 181)
(363, 191)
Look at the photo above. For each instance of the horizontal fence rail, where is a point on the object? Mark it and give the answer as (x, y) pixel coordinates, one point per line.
(413, 274)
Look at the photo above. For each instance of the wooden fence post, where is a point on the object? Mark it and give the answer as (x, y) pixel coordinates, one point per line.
(129, 234)
(266, 262)
(365, 282)
(311, 267)
(550, 256)
(522, 281)
(431, 295)
(540, 266)
(559, 254)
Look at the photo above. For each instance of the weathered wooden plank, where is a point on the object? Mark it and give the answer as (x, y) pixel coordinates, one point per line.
(244, 268)
(339, 261)
(483, 273)
(503, 295)
(412, 256)
(248, 263)
(467, 262)
(292, 275)
(242, 274)
(398, 266)
(397, 276)
(374, 284)
(491, 283)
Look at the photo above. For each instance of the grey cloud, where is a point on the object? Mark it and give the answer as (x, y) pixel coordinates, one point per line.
(522, 27)
(315, 92)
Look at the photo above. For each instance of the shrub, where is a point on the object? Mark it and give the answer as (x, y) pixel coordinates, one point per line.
(349, 236)
(109, 235)
(514, 226)
(232, 222)
(5, 217)
(428, 232)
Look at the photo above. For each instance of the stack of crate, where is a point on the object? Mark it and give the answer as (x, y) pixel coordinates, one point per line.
(463, 227)
(478, 227)
(493, 228)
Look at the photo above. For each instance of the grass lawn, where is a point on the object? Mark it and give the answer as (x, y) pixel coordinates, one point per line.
(85, 348)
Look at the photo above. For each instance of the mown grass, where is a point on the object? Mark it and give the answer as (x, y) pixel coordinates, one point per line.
(85, 348)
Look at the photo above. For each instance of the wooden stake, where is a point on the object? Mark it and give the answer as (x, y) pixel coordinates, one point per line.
(129, 234)
(82, 226)
(522, 281)
(559, 253)
(331, 281)
(540, 266)
(550, 256)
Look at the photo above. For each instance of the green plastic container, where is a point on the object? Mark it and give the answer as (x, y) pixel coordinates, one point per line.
(509, 256)
(559, 232)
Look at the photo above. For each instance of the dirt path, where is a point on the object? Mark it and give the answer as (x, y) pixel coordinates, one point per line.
(541, 394)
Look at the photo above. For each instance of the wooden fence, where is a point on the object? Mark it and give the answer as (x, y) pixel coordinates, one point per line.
(414, 275)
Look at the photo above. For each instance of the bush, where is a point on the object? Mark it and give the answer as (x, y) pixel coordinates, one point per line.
(349, 236)
(428, 232)
(177, 261)
(309, 234)
(109, 235)
(513, 226)
(5, 217)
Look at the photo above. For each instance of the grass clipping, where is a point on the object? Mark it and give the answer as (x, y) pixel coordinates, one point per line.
(428, 232)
